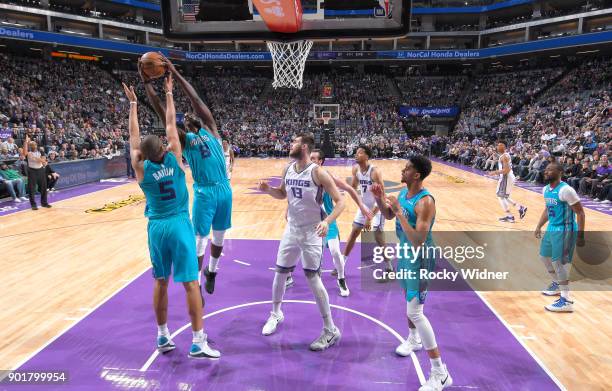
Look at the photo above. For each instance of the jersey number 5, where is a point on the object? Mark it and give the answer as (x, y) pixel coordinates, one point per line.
(165, 188)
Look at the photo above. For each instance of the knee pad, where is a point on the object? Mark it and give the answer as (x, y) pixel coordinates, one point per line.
(311, 273)
(414, 310)
(217, 238)
(284, 270)
(562, 270)
(548, 263)
(201, 242)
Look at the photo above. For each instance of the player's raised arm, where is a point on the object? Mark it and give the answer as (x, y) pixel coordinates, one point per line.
(134, 130)
(198, 105)
(154, 100)
(323, 178)
(353, 194)
(174, 144)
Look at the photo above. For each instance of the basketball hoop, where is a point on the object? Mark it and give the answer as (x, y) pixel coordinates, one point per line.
(289, 60)
(326, 117)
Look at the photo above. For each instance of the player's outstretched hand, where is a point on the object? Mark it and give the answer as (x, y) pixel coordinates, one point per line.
(322, 228)
(377, 190)
(393, 203)
(129, 92)
(168, 63)
(263, 186)
(143, 76)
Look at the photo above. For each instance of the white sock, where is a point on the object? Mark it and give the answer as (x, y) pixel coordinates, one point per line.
(199, 336)
(162, 329)
(200, 277)
(322, 299)
(278, 291)
(213, 263)
(436, 362)
(565, 291)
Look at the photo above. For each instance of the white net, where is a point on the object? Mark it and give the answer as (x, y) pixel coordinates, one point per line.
(289, 59)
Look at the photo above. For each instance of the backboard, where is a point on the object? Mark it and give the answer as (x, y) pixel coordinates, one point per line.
(240, 20)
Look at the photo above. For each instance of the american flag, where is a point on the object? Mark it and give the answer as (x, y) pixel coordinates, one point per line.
(190, 10)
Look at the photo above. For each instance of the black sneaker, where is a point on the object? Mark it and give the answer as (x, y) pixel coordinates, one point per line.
(34, 207)
(46, 206)
(210, 281)
(522, 211)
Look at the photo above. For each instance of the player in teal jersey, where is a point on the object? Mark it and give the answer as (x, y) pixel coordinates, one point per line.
(212, 201)
(415, 211)
(562, 234)
(161, 176)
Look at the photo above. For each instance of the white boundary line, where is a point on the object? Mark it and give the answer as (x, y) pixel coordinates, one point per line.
(519, 339)
(415, 361)
(242, 263)
(49, 342)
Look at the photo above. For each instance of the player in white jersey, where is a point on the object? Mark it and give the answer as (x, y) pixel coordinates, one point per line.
(228, 152)
(307, 224)
(505, 183)
(364, 176)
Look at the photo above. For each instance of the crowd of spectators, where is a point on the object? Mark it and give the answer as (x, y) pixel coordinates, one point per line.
(570, 123)
(494, 95)
(87, 115)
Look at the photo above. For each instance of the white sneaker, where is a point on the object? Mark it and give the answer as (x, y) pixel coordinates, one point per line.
(439, 379)
(410, 345)
(201, 350)
(17, 200)
(561, 305)
(327, 339)
(606, 201)
(272, 322)
(344, 290)
(25, 199)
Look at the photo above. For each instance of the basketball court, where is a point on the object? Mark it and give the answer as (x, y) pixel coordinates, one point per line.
(93, 317)
(77, 293)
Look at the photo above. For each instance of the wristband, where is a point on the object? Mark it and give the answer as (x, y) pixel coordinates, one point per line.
(133, 103)
(168, 93)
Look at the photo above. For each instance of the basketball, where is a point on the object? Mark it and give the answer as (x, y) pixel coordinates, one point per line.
(153, 65)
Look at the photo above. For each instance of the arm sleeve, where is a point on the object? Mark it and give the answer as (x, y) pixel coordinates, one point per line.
(568, 194)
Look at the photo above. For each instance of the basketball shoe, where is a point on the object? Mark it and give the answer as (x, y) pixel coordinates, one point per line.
(327, 339)
(164, 344)
(439, 379)
(561, 305)
(201, 350)
(552, 290)
(272, 322)
(410, 345)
